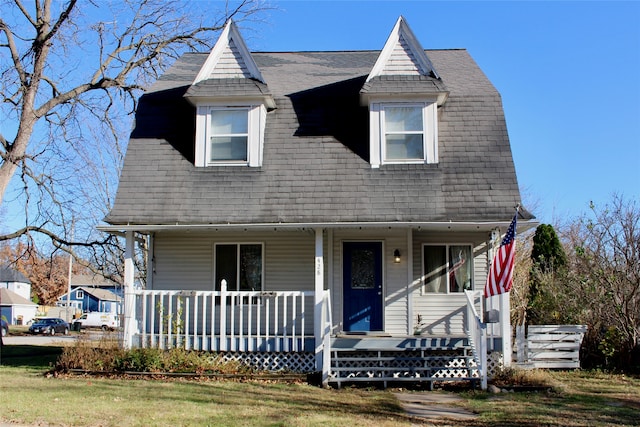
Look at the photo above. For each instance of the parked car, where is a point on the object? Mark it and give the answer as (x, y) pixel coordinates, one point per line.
(5, 327)
(97, 319)
(49, 325)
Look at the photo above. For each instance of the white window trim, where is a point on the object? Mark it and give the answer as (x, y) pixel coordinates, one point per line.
(80, 294)
(257, 115)
(423, 290)
(377, 142)
(238, 244)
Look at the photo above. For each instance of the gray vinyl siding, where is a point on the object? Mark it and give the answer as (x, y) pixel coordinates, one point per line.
(231, 64)
(402, 60)
(185, 261)
(444, 314)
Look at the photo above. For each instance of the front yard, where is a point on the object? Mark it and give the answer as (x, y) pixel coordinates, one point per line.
(29, 397)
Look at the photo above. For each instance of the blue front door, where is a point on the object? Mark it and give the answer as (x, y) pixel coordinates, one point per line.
(362, 283)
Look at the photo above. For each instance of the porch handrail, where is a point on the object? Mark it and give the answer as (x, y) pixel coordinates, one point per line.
(224, 320)
(477, 332)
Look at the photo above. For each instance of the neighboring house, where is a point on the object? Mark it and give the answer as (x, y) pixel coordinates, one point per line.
(15, 293)
(96, 281)
(15, 281)
(93, 293)
(87, 299)
(308, 203)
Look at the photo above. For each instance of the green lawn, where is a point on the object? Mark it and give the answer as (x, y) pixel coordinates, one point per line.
(29, 397)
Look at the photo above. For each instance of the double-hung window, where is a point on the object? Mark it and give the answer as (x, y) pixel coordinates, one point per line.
(447, 268)
(403, 132)
(240, 265)
(229, 135)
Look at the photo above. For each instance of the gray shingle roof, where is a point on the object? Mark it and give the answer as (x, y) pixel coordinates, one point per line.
(101, 294)
(408, 85)
(316, 152)
(10, 275)
(228, 87)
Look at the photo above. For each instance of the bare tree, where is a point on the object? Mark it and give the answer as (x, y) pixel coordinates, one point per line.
(70, 75)
(520, 290)
(604, 273)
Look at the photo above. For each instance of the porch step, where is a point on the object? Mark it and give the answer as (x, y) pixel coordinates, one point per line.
(448, 361)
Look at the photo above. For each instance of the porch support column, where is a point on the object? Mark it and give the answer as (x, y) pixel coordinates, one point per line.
(505, 327)
(129, 298)
(318, 317)
(150, 260)
(410, 283)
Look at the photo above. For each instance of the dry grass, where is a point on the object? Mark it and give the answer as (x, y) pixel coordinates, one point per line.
(28, 397)
(78, 401)
(578, 399)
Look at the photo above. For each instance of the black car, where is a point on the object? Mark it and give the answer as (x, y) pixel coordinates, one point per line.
(5, 327)
(50, 326)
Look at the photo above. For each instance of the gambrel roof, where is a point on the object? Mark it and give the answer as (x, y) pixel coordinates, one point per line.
(316, 147)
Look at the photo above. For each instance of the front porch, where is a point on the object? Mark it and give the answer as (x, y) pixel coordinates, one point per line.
(295, 317)
(277, 331)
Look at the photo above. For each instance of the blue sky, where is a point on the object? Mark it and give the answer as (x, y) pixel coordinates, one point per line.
(568, 73)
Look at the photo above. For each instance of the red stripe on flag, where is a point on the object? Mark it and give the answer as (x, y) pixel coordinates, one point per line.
(500, 278)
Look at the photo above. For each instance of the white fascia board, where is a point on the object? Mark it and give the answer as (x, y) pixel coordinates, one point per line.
(453, 226)
(229, 33)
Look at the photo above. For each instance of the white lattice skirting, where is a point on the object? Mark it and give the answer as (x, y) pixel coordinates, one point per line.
(290, 362)
(451, 366)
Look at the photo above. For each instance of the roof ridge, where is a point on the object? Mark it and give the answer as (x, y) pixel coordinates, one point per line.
(267, 52)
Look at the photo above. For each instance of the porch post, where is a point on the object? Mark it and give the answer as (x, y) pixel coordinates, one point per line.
(409, 257)
(150, 267)
(318, 300)
(505, 327)
(129, 297)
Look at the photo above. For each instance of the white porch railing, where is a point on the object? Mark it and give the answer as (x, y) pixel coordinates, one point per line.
(477, 332)
(223, 320)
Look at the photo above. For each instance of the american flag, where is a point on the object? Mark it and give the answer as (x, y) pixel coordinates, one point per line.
(500, 277)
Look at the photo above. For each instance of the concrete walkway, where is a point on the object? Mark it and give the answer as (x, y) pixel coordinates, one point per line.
(434, 405)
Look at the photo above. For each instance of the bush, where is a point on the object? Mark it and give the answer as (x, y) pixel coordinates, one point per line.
(89, 356)
(140, 360)
(506, 377)
(108, 357)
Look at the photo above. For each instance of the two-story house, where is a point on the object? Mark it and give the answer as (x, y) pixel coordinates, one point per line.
(294, 202)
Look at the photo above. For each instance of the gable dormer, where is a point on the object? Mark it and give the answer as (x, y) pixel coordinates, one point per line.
(403, 91)
(231, 99)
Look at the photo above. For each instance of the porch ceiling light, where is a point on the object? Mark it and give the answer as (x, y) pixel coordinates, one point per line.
(396, 256)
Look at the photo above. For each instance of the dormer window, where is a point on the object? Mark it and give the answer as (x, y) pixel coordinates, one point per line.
(230, 135)
(403, 92)
(403, 132)
(231, 99)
